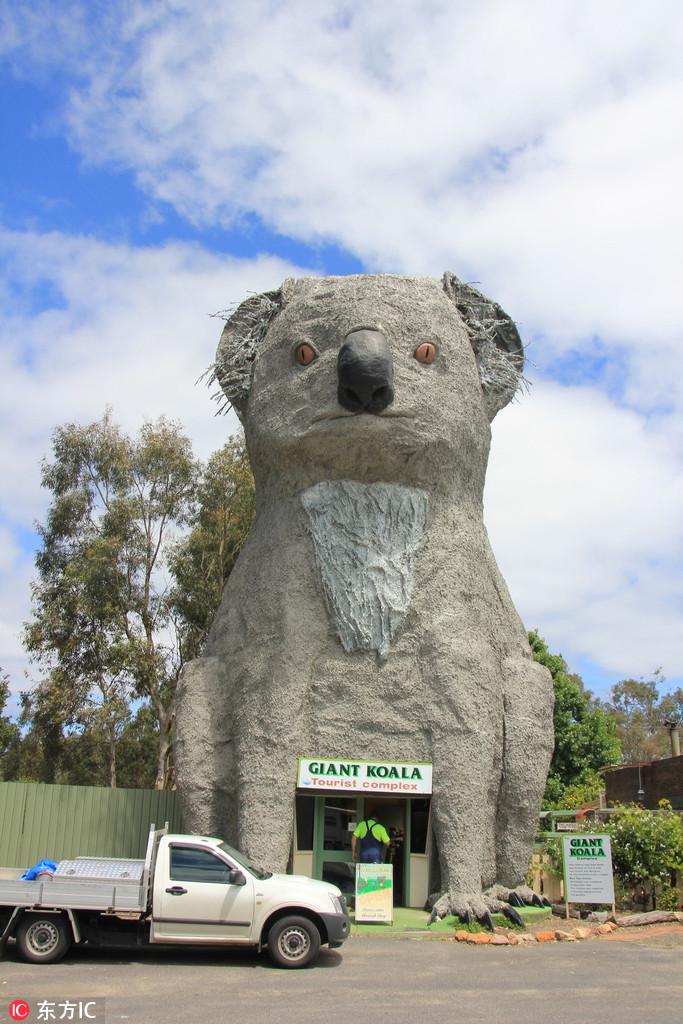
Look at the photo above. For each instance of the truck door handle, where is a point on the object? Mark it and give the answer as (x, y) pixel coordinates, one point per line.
(176, 890)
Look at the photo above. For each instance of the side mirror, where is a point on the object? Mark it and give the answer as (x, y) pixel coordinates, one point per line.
(237, 878)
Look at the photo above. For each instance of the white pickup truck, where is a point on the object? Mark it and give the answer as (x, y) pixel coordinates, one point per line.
(189, 890)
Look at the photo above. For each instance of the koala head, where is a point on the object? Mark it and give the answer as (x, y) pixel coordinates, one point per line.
(370, 377)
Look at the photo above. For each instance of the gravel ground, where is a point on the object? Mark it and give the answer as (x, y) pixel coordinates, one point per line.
(397, 979)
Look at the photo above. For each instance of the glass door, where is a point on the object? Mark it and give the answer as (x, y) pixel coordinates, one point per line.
(336, 818)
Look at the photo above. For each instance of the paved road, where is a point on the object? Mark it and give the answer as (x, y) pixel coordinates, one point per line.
(390, 980)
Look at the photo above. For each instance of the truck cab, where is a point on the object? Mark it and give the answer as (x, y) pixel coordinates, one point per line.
(206, 891)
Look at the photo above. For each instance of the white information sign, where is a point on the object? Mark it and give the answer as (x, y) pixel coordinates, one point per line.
(364, 776)
(374, 893)
(587, 869)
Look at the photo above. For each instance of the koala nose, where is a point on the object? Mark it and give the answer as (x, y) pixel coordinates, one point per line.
(365, 372)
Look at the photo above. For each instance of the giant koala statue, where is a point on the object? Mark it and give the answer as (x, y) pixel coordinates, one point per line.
(366, 615)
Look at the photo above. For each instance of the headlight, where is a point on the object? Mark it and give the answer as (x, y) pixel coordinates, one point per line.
(339, 903)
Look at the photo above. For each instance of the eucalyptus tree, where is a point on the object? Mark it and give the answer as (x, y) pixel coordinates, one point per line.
(203, 559)
(103, 625)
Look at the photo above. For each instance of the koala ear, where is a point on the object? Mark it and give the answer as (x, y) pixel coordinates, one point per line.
(243, 332)
(494, 338)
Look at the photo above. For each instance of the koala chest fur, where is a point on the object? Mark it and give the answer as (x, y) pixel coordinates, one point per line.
(366, 538)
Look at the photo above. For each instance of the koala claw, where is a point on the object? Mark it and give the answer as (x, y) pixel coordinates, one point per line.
(513, 915)
(520, 897)
(487, 921)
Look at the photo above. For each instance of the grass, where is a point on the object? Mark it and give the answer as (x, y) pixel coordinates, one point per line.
(408, 919)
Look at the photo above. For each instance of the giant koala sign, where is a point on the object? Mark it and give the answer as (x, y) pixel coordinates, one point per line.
(366, 615)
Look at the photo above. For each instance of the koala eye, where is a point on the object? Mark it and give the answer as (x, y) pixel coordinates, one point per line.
(305, 354)
(426, 352)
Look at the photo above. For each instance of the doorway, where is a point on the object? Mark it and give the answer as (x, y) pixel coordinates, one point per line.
(324, 825)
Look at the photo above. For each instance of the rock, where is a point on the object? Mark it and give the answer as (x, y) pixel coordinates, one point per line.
(478, 939)
(500, 940)
(598, 915)
(583, 933)
(521, 939)
(606, 928)
(462, 935)
(653, 917)
(565, 936)
(545, 936)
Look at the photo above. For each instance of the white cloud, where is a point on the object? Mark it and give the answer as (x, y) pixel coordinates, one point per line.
(131, 329)
(533, 147)
(583, 505)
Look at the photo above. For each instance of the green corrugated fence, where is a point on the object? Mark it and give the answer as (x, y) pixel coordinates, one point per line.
(58, 822)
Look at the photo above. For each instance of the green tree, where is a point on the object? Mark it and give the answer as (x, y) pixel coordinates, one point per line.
(202, 561)
(640, 713)
(647, 847)
(138, 748)
(10, 736)
(103, 624)
(585, 736)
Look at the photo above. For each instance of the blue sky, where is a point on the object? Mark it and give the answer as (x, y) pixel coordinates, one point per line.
(160, 159)
(44, 183)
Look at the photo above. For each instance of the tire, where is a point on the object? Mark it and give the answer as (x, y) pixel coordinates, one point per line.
(43, 938)
(293, 942)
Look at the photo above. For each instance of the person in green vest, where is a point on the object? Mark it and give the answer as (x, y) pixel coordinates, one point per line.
(374, 840)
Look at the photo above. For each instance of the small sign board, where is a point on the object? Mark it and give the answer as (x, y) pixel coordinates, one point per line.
(567, 826)
(374, 893)
(399, 777)
(587, 863)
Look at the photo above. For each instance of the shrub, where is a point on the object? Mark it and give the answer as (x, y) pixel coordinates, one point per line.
(647, 850)
(668, 898)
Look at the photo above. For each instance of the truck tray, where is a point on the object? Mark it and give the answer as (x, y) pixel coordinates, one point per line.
(75, 894)
(114, 884)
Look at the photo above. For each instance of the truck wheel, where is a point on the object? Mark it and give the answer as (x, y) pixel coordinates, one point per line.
(43, 938)
(293, 942)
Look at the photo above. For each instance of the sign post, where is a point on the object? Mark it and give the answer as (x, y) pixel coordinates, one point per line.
(587, 866)
(375, 893)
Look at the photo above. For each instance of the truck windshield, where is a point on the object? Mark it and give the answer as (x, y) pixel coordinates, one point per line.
(243, 862)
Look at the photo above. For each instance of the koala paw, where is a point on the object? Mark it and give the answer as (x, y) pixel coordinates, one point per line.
(466, 906)
(510, 899)
(480, 906)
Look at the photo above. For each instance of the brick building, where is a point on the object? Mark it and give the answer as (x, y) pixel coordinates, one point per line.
(656, 780)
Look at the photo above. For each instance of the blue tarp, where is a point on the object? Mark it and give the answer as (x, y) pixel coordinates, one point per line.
(37, 869)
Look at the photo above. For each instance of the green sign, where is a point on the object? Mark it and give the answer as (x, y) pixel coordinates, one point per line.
(587, 869)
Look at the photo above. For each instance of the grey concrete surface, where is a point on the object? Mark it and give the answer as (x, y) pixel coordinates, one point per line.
(381, 628)
(394, 980)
